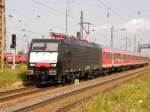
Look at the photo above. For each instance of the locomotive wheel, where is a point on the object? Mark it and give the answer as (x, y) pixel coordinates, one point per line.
(72, 78)
(64, 80)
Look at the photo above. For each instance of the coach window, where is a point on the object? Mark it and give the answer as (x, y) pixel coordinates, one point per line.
(129, 57)
(110, 56)
(115, 56)
(104, 55)
(107, 55)
(124, 57)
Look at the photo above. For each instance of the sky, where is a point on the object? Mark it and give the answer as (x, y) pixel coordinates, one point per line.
(36, 18)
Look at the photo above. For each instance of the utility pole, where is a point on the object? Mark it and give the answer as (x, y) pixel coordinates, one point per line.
(88, 27)
(84, 27)
(28, 45)
(126, 43)
(66, 22)
(81, 25)
(2, 33)
(139, 48)
(111, 41)
(134, 43)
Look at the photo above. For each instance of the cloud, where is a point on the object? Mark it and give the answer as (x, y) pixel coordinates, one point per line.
(132, 26)
(136, 25)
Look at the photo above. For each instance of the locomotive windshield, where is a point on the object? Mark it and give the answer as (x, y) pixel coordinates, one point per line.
(43, 46)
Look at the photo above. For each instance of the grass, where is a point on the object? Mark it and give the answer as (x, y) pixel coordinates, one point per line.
(130, 97)
(11, 76)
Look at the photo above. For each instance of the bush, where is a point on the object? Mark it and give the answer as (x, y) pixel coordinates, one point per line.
(11, 76)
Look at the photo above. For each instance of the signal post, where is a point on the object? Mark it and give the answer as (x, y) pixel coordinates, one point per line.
(13, 46)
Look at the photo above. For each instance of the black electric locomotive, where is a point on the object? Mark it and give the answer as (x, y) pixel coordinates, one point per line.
(54, 60)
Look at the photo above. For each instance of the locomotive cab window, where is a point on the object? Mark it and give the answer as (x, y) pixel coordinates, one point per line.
(38, 46)
(42, 46)
(51, 46)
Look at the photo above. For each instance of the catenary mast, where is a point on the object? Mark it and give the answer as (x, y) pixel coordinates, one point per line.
(2, 33)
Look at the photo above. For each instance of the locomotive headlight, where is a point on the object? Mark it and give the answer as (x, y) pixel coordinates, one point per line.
(52, 72)
(32, 64)
(29, 72)
(53, 65)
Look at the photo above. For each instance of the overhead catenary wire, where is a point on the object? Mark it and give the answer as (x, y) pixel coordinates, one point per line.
(20, 18)
(54, 9)
(16, 16)
(49, 7)
(111, 9)
(22, 21)
(62, 13)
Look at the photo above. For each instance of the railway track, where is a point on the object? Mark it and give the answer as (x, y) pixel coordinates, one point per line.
(65, 100)
(13, 94)
(14, 90)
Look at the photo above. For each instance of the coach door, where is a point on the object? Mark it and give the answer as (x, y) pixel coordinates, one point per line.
(113, 58)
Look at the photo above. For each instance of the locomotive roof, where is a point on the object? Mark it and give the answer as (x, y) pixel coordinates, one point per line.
(73, 42)
(45, 40)
(82, 43)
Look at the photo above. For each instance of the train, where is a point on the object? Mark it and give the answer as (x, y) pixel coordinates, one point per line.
(63, 60)
(19, 58)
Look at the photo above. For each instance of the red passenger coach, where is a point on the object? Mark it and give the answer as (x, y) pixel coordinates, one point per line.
(115, 59)
(19, 58)
(107, 57)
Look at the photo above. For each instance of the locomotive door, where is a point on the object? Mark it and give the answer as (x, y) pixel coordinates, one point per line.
(67, 57)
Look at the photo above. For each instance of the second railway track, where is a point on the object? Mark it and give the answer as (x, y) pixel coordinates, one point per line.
(13, 94)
